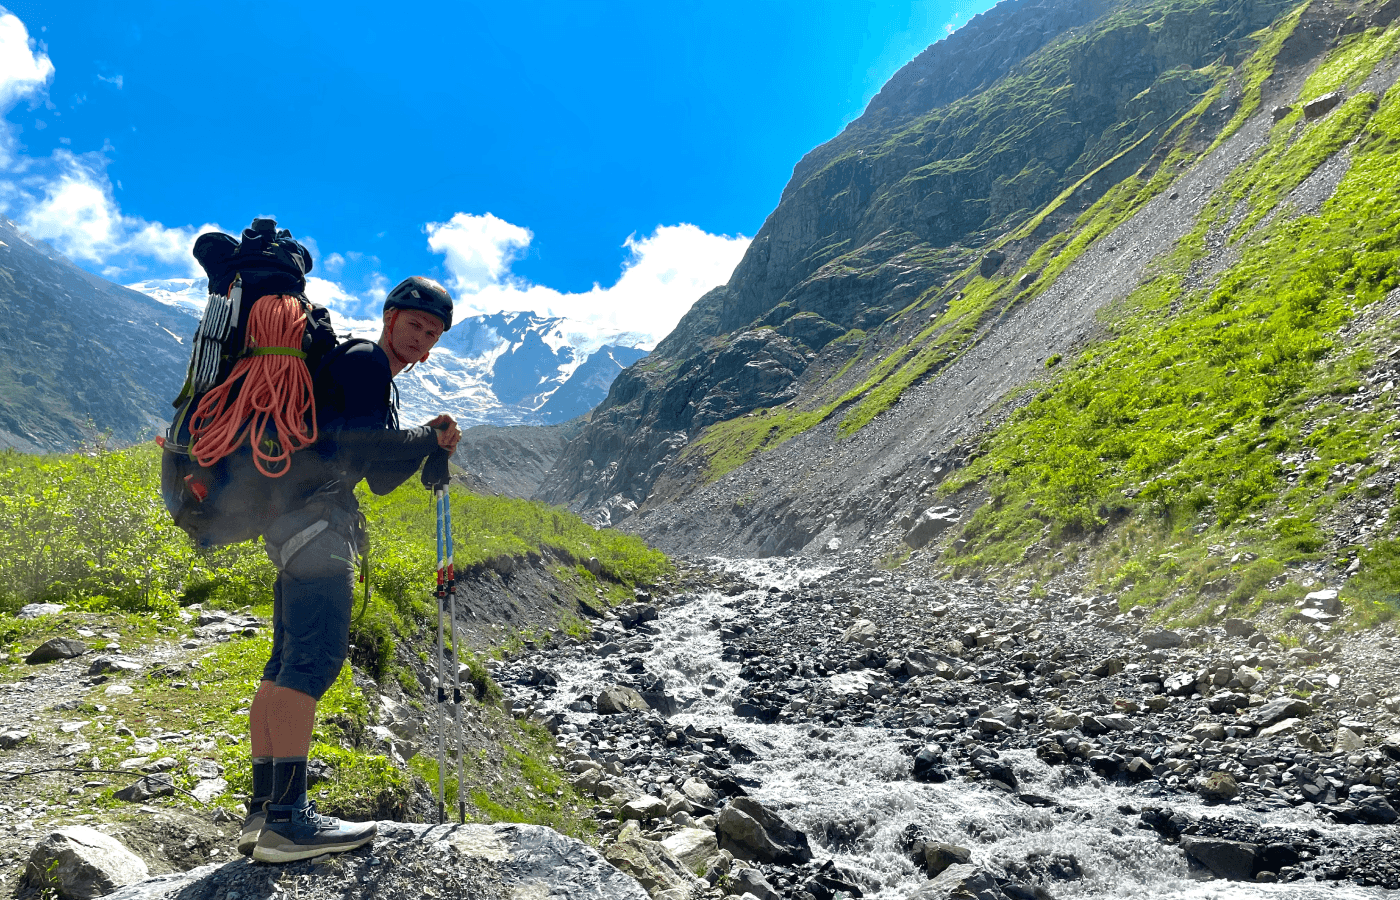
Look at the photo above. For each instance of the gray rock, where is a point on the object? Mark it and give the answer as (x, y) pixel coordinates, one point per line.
(13, 737)
(81, 863)
(692, 846)
(55, 649)
(146, 788)
(930, 524)
(1161, 640)
(1239, 627)
(1235, 860)
(939, 857)
(1219, 787)
(959, 881)
(697, 791)
(751, 831)
(751, 881)
(643, 809)
(862, 632)
(618, 699)
(1276, 711)
(1328, 601)
(654, 867)
(113, 665)
(1319, 107)
(35, 610)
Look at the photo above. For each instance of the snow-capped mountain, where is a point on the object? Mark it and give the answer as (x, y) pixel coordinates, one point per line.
(509, 368)
(516, 368)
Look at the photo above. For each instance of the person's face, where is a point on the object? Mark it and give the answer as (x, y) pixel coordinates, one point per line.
(415, 332)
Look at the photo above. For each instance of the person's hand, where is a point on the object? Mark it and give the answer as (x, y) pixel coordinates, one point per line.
(436, 472)
(448, 434)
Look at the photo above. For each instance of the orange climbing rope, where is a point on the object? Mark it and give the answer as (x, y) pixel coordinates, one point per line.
(276, 391)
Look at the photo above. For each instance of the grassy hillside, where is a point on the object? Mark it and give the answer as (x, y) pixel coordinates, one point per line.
(89, 531)
(1232, 411)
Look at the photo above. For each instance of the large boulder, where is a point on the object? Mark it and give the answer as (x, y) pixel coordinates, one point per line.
(862, 632)
(1276, 711)
(957, 882)
(55, 649)
(930, 524)
(1235, 860)
(692, 846)
(654, 867)
(475, 860)
(618, 699)
(753, 832)
(80, 863)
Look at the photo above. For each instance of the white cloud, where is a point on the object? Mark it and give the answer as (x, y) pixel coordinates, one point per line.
(113, 80)
(665, 274)
(68, 201)
(23, 68)
(479, 249)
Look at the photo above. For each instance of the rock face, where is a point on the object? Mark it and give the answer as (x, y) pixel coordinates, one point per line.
(878, 221)
(475, 860)
(114, 366)
(80, 863)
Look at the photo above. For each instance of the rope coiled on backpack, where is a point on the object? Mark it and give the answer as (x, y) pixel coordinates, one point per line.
(269, 386)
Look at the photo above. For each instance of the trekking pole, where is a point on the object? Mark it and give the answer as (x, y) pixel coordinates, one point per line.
(456, 653)
(441, 688)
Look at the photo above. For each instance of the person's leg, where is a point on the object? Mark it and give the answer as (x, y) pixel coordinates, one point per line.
(259, 734)
(317, 595)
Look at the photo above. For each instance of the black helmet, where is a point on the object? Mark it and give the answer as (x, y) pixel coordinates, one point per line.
(424, 295)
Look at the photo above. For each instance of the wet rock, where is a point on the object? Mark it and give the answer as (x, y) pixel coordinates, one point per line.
(939, 857)
(928, 765)
(959, 881)
(751, 831)
(80, 863)
(636, 614)
(617, 699)
(1235, 860)
(55, 649)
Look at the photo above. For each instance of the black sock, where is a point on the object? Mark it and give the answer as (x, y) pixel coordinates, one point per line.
(288, 783)
(262, 781)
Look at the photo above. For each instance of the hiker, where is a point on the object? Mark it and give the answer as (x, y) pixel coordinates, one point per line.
(315, 547)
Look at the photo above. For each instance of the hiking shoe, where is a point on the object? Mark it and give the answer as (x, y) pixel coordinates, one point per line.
(252, 826)
(308, 834)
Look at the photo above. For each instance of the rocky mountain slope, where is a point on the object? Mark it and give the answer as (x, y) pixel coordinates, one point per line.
(948, 280)
(83, 357)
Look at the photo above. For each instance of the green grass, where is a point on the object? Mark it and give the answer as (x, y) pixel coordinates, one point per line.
(88, 530)
(1182, 419)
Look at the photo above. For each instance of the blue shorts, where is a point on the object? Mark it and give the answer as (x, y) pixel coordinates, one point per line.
(315, 551)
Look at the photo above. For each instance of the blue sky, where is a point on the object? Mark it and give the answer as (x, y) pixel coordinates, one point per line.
(607, 161)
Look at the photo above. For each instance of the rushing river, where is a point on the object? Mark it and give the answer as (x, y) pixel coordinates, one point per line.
(822, 775)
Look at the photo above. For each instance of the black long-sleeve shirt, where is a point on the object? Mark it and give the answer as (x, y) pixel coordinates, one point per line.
(358, 424)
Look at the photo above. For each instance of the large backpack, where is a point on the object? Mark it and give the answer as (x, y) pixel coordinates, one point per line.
(228, 492)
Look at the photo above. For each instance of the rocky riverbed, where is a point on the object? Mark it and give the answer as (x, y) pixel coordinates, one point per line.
(804, 731)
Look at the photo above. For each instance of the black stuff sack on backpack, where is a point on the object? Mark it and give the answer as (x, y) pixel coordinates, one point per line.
(232, 499)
